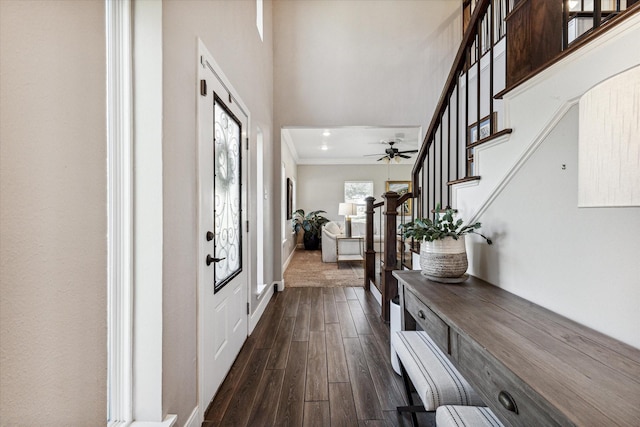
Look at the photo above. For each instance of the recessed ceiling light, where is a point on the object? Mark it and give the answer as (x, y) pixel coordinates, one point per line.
(324, 148)
(326, 133)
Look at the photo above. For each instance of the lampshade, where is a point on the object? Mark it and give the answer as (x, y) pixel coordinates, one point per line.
(346, 209)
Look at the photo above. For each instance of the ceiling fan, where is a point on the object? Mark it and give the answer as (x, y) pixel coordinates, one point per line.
(392, 153)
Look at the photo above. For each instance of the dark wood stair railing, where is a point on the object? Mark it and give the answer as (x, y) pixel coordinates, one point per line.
(466, 115)
(389, 257)
(446, 156)
(459, 125)
(370, 253)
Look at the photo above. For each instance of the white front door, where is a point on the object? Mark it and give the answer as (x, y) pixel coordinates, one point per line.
(222, 249)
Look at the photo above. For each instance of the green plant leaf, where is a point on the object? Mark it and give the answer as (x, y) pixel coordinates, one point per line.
(424, 229)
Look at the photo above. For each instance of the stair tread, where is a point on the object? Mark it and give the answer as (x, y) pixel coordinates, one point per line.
(491, 137)
(465, 179)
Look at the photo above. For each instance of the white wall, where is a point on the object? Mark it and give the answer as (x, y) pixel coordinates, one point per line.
(228, 29)
(533, 108)
(53, 200)
(579, 262)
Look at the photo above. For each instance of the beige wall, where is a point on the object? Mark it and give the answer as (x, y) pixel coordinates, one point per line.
(360, 63)
(289, 239)
(322, 187)
(53, 224)
(354, 62)
(53, 169)
(228, 29)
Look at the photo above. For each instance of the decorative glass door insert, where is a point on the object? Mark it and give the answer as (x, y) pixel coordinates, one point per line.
(227, 187)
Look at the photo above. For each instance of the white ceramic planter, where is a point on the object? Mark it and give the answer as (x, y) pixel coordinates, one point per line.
(445, 258)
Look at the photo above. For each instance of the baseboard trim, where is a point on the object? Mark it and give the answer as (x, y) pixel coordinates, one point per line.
(195, 419)
(262, 305)
(168, 421)
(376, 294)
(286, 263)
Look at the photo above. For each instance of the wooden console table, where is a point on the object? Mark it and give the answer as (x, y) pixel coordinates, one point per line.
(531, 366)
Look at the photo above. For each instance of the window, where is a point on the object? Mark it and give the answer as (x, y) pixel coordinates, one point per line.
(356, 192)
(261, 196)
(260, 19)
(227, 192)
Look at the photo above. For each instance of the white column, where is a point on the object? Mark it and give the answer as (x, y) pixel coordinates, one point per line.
(147, 352)
(120, 211)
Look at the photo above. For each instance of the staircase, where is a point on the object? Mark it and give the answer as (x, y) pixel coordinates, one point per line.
(516, 78)
(492, 67)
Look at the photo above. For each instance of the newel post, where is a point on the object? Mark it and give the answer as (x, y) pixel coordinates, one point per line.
(369, 253)
(389, 283)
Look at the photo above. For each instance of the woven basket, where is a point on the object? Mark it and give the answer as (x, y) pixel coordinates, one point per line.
(445, 258)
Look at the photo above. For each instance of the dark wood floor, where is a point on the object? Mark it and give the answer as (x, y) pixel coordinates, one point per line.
(318, 357)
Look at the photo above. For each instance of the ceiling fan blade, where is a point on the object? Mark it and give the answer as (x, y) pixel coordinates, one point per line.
(370, 155)
(382, 158)
(408, 151)
(403, 156)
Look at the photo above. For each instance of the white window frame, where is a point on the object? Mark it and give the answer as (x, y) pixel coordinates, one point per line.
(134, 253)
(360, 204)
(260, 18)
(120, 214)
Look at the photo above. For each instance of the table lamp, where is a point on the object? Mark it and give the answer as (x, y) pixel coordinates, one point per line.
(347, 209)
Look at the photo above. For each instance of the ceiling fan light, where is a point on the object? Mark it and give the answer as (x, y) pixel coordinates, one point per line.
(397, 159)
(387, 160)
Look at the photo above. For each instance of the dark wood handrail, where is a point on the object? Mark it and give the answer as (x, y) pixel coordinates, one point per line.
(388, 285)
(404, 198)
(458, 64)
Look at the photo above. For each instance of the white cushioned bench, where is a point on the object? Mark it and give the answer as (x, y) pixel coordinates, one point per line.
(466, 416)
(434, 377)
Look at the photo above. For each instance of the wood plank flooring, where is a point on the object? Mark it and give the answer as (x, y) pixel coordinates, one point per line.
(318, 357)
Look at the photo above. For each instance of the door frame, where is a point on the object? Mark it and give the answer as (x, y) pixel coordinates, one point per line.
(206, 64)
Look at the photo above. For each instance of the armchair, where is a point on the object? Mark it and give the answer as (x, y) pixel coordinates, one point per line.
(333, 229)
(329, 232)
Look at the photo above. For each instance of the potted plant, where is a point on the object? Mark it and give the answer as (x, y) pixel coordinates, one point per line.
(443, 254)
(312, 224)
